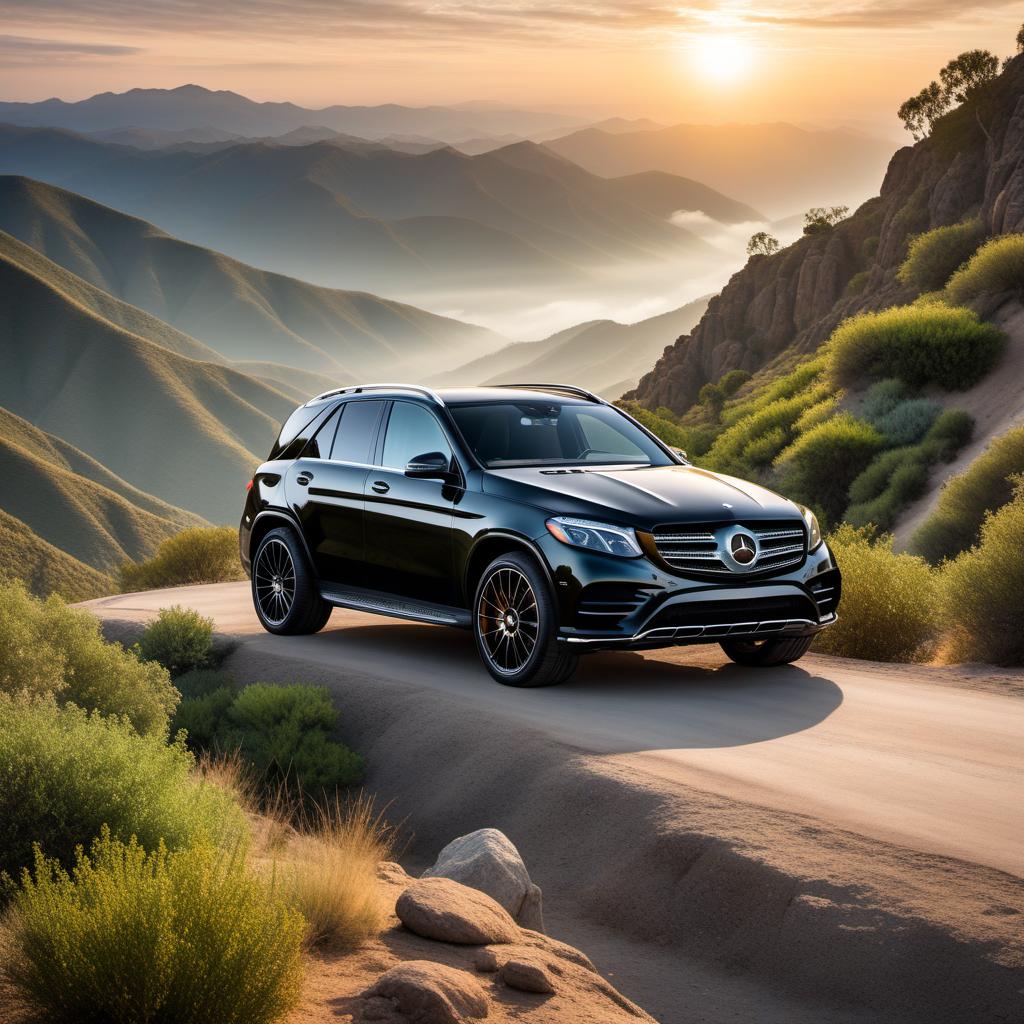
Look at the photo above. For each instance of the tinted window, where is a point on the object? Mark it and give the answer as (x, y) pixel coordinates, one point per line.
(319, 445)
(552, 433)
(297, 430)
(412, 431)
(356, 431)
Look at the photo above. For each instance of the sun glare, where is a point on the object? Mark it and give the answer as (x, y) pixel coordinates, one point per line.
(722, 57)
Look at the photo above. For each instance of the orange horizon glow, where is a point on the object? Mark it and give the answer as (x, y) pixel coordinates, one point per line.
(705, 63)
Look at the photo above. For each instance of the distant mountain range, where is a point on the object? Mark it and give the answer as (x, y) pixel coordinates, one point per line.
(241, 313)
(381, 220)
(780, 168)
(191, 106)
(601, 355)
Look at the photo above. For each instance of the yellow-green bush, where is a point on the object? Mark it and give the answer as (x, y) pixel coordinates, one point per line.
(820, 465)
(889, 601)
(179, 639)
(921, 345)
(996, 268)
(202, 554)
(192, 937)
(983, 591)
(47, 647)
(955, 525)
(933, 256)
(65, 773)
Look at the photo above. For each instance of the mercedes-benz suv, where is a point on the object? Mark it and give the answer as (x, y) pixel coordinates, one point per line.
(541, 517)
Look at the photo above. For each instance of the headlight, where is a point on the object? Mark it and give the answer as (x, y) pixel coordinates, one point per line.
(601, 537)
(813, 529)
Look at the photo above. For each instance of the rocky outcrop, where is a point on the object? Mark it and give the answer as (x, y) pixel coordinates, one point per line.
(487, 860)
(973, 164)
(425, 992)
(438, 908)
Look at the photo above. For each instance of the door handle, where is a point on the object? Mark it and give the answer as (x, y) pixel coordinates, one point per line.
(380, 487)
(304, 477)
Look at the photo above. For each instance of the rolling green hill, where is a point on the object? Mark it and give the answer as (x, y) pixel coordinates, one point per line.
(239, 311)
(187, 431)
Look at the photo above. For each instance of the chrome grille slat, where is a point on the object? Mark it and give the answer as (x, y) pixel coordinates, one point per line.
(696, 551)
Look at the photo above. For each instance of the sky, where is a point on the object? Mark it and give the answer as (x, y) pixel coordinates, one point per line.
(809, 61)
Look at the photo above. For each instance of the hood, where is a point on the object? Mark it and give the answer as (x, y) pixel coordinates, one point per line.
(644, 497)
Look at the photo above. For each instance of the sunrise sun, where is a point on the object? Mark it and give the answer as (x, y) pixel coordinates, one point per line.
(722, 58)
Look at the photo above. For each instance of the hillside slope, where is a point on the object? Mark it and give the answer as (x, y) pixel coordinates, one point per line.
(601, 355)
(796, 297)
(71, 501)
(186, 431)
(241, 312)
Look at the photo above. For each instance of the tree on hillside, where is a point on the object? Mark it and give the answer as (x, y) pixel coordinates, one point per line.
(762, 244)
(920, 112)
(821, 218)
(964, 75)
(1020, 39)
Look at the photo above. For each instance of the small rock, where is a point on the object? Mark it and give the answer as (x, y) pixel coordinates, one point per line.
(486, 961)
(389, 871)
(487, 860)
(438, 908)
(526, 975)
(425, 992)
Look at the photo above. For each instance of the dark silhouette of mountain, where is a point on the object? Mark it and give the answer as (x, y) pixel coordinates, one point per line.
(601, 355)
(175, 427)
(380, 220)
(779, 168)
(240, 312)
(187, 106)
(972, 164)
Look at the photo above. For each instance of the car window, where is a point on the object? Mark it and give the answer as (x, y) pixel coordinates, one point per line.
(412, 430)
(319, 445)
(601, 438)
(356, 431)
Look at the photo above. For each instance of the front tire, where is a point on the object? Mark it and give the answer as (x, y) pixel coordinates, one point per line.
(515, 624)
(284, 590)
(766, 653)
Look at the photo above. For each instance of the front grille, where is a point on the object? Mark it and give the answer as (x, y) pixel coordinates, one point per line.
(697, 550)
(605, 605)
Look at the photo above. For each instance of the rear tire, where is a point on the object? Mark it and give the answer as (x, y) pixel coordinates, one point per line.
(765, 653)
(515, 623)
(285, 593)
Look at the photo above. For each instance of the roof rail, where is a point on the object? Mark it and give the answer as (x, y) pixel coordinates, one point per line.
(355, 389)
(570, 389)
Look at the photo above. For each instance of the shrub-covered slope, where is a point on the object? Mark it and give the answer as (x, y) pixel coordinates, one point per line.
(970, 166)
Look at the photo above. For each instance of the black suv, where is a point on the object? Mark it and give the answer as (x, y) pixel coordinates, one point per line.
(539, 516)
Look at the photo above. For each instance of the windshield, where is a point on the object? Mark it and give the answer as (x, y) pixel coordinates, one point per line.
(507, 434)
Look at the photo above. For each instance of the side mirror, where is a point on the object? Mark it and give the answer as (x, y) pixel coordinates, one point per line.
(429, 466)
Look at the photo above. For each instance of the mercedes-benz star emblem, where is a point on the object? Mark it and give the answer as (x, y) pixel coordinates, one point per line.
(742, 548)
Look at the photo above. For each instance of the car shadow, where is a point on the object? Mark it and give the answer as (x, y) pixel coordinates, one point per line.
(678, 698)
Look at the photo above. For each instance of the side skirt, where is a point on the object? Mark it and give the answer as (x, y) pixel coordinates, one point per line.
(397, 607)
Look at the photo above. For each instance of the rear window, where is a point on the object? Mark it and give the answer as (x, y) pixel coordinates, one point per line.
(297, 430)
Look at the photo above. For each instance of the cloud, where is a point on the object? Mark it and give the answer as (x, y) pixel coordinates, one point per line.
(28, 45)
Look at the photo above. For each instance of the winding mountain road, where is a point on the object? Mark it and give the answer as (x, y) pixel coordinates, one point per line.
(927, 759)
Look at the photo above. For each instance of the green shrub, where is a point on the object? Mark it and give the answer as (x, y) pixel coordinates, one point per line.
(997, 268)
(48, 648)
(984, 486)
(909, 421)
(179, 639)
(906, 483)
(64, 773)
(203, 554)
(922, 345)
(948, 434)
(889, 601)
(874, 480)
(192, 937)
(982, 592)
(882, 397)
(201, 681)
(820, 465)
(933, 256)
(762, 451)
(856, 284)
(283, 731)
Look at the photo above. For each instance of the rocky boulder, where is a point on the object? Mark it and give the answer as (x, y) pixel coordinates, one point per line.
(445, 910)
(487, 860)
(424, 992)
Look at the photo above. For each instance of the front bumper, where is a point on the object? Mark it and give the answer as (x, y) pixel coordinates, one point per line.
(608, 603)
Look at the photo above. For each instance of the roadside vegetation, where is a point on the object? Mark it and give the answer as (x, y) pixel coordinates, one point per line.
(202, 554)
(996, 269)
(139, 882)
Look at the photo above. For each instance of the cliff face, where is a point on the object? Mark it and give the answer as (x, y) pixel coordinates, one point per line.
(973, 164)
